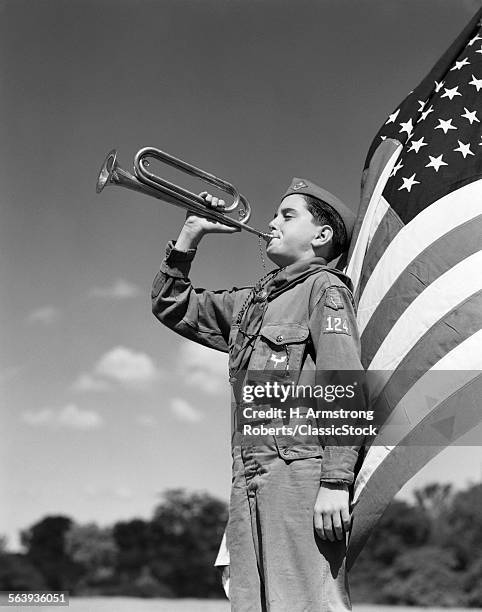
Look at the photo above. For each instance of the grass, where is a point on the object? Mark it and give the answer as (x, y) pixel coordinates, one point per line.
(128, 604)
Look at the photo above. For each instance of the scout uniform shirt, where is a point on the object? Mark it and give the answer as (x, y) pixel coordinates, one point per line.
(301, 321)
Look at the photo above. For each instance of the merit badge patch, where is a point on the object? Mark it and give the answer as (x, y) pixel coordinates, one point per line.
(333, 299)
(277, 360)
(336, 325)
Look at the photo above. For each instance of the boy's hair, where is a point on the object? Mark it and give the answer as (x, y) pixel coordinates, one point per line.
(324, 214)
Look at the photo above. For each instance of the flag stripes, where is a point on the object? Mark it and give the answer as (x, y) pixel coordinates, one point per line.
(459, 360)
(419, 401)
(449, 250)
(372, 208)
(395, 252)
(438, 299)
(387, 469)
(388, 387)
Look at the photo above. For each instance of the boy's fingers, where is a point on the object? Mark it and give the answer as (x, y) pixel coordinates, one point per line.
(218, 203)
(337, 525)
(328, 527)
(321, 533)
(318, 521)
(346, 519)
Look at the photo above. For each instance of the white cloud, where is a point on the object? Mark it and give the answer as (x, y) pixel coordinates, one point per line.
(45, 315)
(126, 367)
(203, 368)
(74, 418)
(87, 382)
(69, 417)
(185, 411)
(119, 290)
(119, 366)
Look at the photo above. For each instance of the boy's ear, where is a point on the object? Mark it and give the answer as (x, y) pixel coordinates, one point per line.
(323, 236)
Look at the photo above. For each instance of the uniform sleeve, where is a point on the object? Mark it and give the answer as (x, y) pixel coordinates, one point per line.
(198, 314)
(336, 342)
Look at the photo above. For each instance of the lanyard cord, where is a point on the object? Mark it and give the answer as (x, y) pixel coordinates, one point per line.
(258, 287)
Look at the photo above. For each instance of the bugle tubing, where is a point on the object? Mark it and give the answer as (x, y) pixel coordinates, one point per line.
(152, 185)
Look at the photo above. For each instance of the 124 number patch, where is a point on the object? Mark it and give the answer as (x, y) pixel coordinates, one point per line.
(336, 325)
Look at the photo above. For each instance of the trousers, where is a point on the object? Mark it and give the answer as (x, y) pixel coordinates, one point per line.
(278, 563)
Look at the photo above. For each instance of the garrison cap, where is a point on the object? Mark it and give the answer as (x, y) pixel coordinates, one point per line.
(302, 186)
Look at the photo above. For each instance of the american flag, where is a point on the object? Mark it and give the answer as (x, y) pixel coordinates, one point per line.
(416, 264)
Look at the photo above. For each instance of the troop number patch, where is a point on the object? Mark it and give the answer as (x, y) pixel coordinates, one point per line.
(336, 325)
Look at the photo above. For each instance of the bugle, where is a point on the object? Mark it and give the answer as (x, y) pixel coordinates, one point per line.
(152, 185)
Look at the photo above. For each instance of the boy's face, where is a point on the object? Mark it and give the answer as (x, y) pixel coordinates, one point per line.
(293, 228)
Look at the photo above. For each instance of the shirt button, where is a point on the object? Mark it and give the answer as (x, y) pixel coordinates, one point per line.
(279, 338)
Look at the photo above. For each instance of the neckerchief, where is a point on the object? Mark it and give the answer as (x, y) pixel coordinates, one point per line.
(252, 318)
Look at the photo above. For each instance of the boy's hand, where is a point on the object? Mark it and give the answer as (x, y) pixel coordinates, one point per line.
(195, 226)
(331, 515)
(198, 224)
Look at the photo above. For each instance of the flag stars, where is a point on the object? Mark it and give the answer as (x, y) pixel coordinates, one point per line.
(417, 145)
(445, 125)
(479, 50)
(451, 93)
(425, 114)
(408, 183)
(475, 39)
(464, 149)
(436, 162)
(476, 83)
(400, 165)
(392, 117)
(470, 115)
(407, 127)
(461, 64)
(423, 104)
(438, 86)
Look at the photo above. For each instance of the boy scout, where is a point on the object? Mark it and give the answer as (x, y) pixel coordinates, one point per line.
(289, 507)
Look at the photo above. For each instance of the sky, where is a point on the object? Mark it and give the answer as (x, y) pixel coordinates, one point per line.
(102, 408)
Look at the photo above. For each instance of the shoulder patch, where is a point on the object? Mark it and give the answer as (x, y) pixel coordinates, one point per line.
(333, 299)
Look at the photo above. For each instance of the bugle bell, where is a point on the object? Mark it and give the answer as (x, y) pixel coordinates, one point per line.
(152, 185)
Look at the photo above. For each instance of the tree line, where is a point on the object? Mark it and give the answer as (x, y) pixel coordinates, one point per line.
(424, 553)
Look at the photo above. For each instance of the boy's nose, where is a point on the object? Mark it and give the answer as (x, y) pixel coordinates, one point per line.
(272, 225)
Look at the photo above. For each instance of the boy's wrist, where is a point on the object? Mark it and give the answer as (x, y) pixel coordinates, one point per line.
(334, 484)
(189, 238)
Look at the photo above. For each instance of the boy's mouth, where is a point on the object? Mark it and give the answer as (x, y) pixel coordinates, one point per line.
(274, 234)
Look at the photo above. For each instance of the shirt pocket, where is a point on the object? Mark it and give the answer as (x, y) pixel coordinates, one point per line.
(280, 348)
(291, 449)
